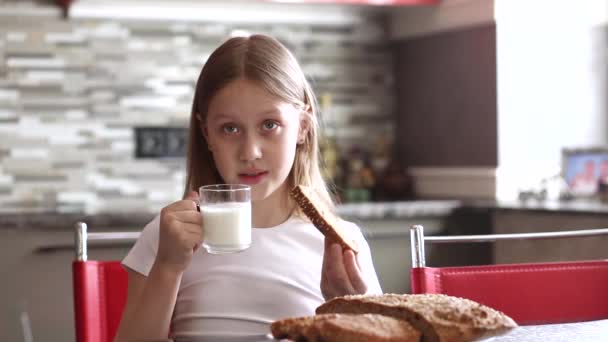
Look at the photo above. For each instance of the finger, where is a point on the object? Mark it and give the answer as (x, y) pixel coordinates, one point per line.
(326, 255)
(326, 252)
(177, 228)
(357, 259)
(198, 238)
(191, 239)
(188, 222)
(324, 281)
(192, 228)
(336, 273)
(188, 216)
(185, 204)
(192, 196)
(176, 224)
(354, 272)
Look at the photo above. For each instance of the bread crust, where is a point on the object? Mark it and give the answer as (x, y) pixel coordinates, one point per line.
(345, 328)
(439, 317)
(322, 218)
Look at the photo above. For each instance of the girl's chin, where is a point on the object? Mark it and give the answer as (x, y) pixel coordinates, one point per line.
(261, 193)
(258, 194)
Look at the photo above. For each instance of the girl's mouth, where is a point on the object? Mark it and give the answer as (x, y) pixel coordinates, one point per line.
(252, 178)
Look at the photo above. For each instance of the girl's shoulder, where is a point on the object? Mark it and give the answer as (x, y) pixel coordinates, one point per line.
(342, 222)
(350, 228)
(151, 230)
(349, 224)
(153, 225)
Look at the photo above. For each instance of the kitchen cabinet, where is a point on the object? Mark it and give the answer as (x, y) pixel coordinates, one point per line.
(527, 221)
(36, 286)
(389, 243)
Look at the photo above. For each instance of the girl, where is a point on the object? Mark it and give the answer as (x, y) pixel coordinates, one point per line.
(253, 121)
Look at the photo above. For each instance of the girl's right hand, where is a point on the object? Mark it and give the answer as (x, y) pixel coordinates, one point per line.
(180, 235)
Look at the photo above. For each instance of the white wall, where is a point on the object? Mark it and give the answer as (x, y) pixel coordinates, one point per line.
(551, 71)
(551, 85)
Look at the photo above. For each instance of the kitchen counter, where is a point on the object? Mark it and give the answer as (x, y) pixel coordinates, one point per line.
(584, 207)
(66, 220)
(66, 217)
(398, 210)
(19, 218)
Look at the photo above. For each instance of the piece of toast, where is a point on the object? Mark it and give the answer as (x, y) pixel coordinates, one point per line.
(345, 328)
(440, 318)
(315, 209)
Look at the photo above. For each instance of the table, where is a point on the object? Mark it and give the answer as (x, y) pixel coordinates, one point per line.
(580, 332)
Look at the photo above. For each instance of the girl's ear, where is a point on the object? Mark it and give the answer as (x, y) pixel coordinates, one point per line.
(202, 126)
(304, 127)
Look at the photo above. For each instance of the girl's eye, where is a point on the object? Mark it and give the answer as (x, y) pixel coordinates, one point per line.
(230, 129)
(270, 125)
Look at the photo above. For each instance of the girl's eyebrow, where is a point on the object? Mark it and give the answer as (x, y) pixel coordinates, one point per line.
(222, 116)
(269, 111)
(262, 113)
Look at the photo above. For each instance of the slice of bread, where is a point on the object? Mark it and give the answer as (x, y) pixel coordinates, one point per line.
(314, 208)
(440, 318)
(345, 328)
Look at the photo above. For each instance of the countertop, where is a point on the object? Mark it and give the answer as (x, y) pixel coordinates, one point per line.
(133, 220)
(56, 218)
(585, 207)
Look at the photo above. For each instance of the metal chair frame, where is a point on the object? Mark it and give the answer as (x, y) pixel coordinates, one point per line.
(82, 239)
(417, 239)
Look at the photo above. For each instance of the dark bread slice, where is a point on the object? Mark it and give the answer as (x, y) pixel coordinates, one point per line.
(322, 218)
(345, 328)
(440, 318)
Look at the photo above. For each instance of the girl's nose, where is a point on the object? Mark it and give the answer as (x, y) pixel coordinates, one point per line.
(250, 148)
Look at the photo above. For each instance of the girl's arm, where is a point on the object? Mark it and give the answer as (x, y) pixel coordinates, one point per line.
(150, 303)
(151, 299)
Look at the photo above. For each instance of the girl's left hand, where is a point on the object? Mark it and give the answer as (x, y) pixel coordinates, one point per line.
(341, 274)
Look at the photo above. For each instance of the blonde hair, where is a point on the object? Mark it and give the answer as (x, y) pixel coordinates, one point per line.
(271, 65)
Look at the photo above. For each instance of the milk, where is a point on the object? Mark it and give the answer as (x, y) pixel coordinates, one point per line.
(226, 226)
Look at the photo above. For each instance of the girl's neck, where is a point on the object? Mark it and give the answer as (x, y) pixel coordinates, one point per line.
(272, 211)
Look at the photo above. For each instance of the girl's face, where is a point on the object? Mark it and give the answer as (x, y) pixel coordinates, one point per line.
(252, 136)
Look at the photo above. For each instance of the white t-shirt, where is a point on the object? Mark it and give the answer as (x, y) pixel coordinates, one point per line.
(241, 294)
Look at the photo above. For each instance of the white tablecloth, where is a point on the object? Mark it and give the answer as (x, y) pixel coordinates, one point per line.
(578, 332)
(595, 331)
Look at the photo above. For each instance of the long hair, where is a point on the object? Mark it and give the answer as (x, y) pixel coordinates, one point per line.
(271, 65)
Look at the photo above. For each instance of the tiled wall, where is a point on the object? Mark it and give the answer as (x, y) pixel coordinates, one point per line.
(72, 92)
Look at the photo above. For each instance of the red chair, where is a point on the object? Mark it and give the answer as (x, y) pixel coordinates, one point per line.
(531, 293)
(100, 288)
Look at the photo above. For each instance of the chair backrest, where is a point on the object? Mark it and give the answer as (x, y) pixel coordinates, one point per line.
(99, 288)
(100, 294)
(530, 293)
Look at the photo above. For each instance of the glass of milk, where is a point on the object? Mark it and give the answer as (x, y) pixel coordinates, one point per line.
(226, 212)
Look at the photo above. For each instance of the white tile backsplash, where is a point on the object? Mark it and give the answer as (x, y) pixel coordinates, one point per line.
(72, 91)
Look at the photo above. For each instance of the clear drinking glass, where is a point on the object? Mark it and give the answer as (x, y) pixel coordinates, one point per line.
(226, 212)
